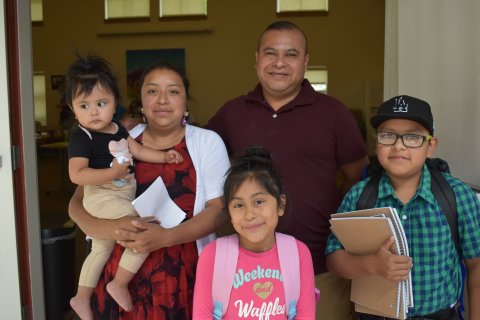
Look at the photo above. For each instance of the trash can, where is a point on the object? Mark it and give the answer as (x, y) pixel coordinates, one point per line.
(58, 255)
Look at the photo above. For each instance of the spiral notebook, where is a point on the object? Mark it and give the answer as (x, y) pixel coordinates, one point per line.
(362, 232)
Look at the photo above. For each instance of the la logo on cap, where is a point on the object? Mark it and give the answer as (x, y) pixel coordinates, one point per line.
(400, 105)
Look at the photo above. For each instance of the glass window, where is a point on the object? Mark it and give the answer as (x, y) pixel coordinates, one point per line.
(127, 9)
(40, 104)
(36, 10)
(301, 5)
(183, 8)
(318, 77)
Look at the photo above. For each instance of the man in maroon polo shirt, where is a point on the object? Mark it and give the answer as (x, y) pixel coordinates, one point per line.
(311, 136)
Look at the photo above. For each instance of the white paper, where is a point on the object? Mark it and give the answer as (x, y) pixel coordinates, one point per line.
(155, 201)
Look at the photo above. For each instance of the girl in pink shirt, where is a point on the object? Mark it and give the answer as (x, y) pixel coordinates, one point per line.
(255, 200)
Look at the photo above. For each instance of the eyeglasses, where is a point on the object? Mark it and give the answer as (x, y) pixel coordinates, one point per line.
(409, 140)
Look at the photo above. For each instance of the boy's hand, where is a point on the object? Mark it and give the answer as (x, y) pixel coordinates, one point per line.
(120, 169)
(173, 156)
(390, 266)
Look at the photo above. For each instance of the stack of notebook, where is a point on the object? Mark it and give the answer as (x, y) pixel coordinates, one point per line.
(363, 232)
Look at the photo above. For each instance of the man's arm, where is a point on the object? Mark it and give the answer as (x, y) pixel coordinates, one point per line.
(218, 123)
(473, 287)
(352, 173)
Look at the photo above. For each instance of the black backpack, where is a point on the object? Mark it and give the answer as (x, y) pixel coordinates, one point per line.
(441, 190)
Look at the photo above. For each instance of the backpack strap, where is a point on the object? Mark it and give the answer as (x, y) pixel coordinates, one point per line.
(290, 267)
(226, 257)
(446, 198)
(369, 195)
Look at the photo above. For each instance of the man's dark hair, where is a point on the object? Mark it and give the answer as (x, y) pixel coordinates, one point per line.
(283, 25)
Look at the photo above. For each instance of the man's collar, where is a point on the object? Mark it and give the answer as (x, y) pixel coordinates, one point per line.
(306, 96)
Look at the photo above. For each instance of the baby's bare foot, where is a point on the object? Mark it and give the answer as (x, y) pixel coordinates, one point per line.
(121, 295)
(81, 308)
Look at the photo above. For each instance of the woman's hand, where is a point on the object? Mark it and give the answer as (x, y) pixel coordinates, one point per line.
(125, 223)
(143, 235)
(152, 236)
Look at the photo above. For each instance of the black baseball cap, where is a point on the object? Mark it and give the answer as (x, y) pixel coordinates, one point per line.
(404, 107)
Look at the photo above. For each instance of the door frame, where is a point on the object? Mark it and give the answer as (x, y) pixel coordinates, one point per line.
(23, 216)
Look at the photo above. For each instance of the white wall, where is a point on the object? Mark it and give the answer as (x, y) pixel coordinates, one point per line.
(432, 52)
(10, 305)
(439, 61)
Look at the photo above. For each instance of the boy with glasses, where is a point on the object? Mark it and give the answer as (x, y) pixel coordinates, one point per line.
(404, 141)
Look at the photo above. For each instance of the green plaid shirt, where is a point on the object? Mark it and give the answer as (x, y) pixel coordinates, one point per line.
(436, 271)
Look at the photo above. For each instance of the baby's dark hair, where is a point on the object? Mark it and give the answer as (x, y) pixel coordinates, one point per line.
(256, 163)
(85, 73)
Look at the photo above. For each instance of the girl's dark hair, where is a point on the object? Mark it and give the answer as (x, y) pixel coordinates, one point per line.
(85, 73)
(165, 66)
(256, 163)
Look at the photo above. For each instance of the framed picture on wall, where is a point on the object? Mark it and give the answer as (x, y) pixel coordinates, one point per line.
(58, 82)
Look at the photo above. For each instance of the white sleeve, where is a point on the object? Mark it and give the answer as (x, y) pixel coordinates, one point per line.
(215, 165)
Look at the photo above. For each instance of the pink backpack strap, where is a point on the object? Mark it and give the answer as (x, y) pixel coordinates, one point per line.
(226, 257)
(290, 266)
